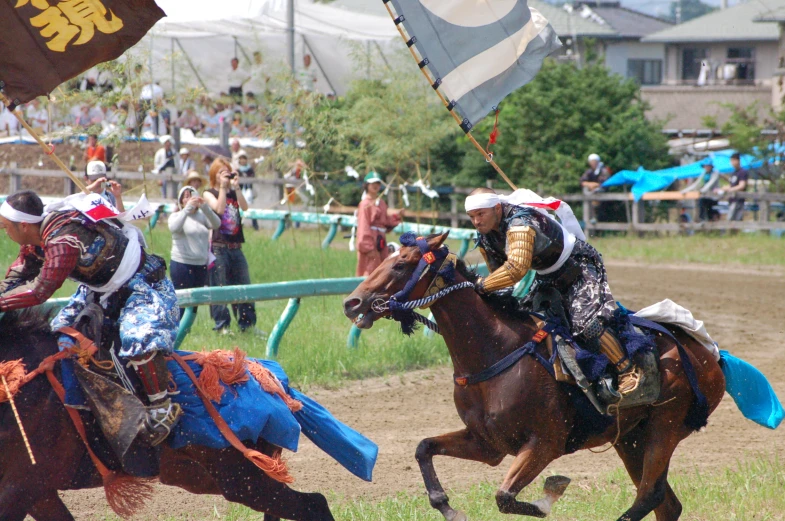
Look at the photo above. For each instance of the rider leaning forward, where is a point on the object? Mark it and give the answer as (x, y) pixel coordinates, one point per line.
(109, 261)
(514, 239)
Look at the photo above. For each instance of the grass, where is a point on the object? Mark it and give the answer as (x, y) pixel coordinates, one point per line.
(744, 248)
(751, 490)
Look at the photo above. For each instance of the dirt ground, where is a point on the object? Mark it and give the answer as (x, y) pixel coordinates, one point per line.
(742, 308)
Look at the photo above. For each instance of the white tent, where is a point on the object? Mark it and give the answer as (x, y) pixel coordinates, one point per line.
(194, 44)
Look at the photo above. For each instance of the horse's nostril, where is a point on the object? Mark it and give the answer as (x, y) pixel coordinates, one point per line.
(351, 304)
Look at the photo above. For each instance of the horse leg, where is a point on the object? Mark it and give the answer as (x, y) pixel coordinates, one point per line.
(240, 481)
(14, 501)
(459, 444)
(50, 507)
(179, 469)
(530, 461)
(630, 450)
(659, 442)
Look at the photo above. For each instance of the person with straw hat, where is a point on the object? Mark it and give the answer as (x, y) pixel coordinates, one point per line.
(194, 179)
(374, 220)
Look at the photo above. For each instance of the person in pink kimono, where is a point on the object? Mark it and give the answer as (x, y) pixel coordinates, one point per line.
(374, 220)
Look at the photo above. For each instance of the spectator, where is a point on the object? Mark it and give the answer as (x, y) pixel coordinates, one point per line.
(292, 182)
(194, 180)
(234, 146)
(238, 127)
(211, 124)
(189, 120)
(738, 183)
(236, 78)
(154, 123)
(307, 76)
(374, 220)
(94, 150)
(231, 267)
(186, 163)
(706, 183)
(83, 118)
(9, 125)
(592, 179)
(37, 116)
(245, 170)
(191, 228)
(165, 164)
(97, 182)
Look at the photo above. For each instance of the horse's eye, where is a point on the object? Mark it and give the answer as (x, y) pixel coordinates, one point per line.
(399, 266)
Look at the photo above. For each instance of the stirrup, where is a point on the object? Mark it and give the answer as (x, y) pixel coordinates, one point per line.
(161, 418)
(629, 380)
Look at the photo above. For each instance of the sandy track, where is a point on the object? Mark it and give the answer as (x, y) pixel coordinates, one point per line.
(742, 308)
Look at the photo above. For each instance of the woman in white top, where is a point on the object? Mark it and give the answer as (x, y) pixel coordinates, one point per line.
(191, 228)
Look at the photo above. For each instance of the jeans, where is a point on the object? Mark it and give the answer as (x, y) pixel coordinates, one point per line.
(230, 269)
(185, 276)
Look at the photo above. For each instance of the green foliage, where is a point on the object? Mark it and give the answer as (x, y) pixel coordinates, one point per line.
(548, 128)
(685, 10)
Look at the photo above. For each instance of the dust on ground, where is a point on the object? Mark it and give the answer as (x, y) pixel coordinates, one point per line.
(742, 309)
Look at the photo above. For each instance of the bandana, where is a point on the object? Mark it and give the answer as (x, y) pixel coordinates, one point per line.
(480, 201)
(14, 215)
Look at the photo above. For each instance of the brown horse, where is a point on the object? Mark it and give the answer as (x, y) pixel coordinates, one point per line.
(524, 411)
(62, 462)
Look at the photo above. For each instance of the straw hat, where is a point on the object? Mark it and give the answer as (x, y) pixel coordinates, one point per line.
(193, 174)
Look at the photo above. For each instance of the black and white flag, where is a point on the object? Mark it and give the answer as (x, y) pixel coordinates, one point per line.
(478, 51)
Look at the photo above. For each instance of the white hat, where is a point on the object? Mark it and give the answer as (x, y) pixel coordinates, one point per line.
(242, 153)
(95, 169)
(164, 139)
(184, 151)
(594, 157)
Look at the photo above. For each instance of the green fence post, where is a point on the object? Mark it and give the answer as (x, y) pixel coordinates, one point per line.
(185, 326)
(464, 248)
(281, 326)
(353, 342)
(330, 236)
(279, 231)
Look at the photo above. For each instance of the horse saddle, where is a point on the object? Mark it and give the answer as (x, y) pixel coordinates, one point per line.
(601, 393)
(112, 393)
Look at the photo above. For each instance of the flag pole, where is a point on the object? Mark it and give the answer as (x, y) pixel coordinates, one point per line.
(48, 149)
(488, 157)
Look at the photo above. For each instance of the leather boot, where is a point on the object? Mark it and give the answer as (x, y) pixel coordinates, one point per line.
(162, 413)
(629, 376)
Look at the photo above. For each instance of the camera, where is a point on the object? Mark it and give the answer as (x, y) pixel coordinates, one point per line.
(232, 175)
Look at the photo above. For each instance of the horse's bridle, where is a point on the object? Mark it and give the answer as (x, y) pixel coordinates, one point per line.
(440, 263)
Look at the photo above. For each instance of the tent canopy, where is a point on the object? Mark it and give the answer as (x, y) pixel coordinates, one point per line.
(194, 44)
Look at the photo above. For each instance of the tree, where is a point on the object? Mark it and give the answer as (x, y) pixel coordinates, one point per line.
(549, 127)
(685, 10)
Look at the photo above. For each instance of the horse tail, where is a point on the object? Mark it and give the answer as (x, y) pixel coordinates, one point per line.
(751, 391)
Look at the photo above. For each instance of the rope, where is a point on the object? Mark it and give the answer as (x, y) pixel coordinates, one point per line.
(18, 420)
(427, 300)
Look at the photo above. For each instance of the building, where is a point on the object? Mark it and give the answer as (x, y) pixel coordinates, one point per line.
(776, 16)
(724, 57)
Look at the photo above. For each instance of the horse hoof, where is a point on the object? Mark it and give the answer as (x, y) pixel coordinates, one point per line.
(556, 485)
(459, 516)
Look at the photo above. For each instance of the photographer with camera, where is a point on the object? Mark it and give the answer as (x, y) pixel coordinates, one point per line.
(96, 181)
(231, 267)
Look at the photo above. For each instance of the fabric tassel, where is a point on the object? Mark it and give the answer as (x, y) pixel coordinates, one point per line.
(14, 373)
(271, 385)
(126, 494)
(274, 467)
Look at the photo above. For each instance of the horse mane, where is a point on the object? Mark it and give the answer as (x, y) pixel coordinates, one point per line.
(501, 302)
(17, 326)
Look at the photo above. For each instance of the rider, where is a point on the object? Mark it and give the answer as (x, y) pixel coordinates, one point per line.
(514, 239)
(108, 259)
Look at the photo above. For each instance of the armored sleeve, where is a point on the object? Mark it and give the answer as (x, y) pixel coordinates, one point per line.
(520, 248)
(35, 284)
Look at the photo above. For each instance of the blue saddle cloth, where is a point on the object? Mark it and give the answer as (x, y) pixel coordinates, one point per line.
(253, 413)
(751, 391)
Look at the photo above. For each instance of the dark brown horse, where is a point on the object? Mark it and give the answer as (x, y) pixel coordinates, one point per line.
(63, 463)
(524, 411)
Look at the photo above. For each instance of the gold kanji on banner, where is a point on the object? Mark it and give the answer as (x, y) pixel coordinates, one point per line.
(72, 18)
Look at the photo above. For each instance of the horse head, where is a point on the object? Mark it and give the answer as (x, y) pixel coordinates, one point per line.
(408, 271)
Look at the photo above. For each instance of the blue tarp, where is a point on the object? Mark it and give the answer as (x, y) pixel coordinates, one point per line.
(252, 413)
(644, 181)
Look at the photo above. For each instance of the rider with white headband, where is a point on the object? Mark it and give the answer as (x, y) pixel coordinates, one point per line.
(515, 234)
(108, 260)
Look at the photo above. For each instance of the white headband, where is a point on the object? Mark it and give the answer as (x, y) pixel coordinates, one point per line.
(14, 215)
(476, 202)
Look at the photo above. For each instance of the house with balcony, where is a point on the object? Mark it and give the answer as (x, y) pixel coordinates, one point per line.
(724, 57)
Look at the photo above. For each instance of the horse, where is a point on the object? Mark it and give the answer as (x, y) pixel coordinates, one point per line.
(523, 411)
(62, 461)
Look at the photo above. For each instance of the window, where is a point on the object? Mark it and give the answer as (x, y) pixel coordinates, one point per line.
(691, 59)
(744, 60)
(645, 72)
